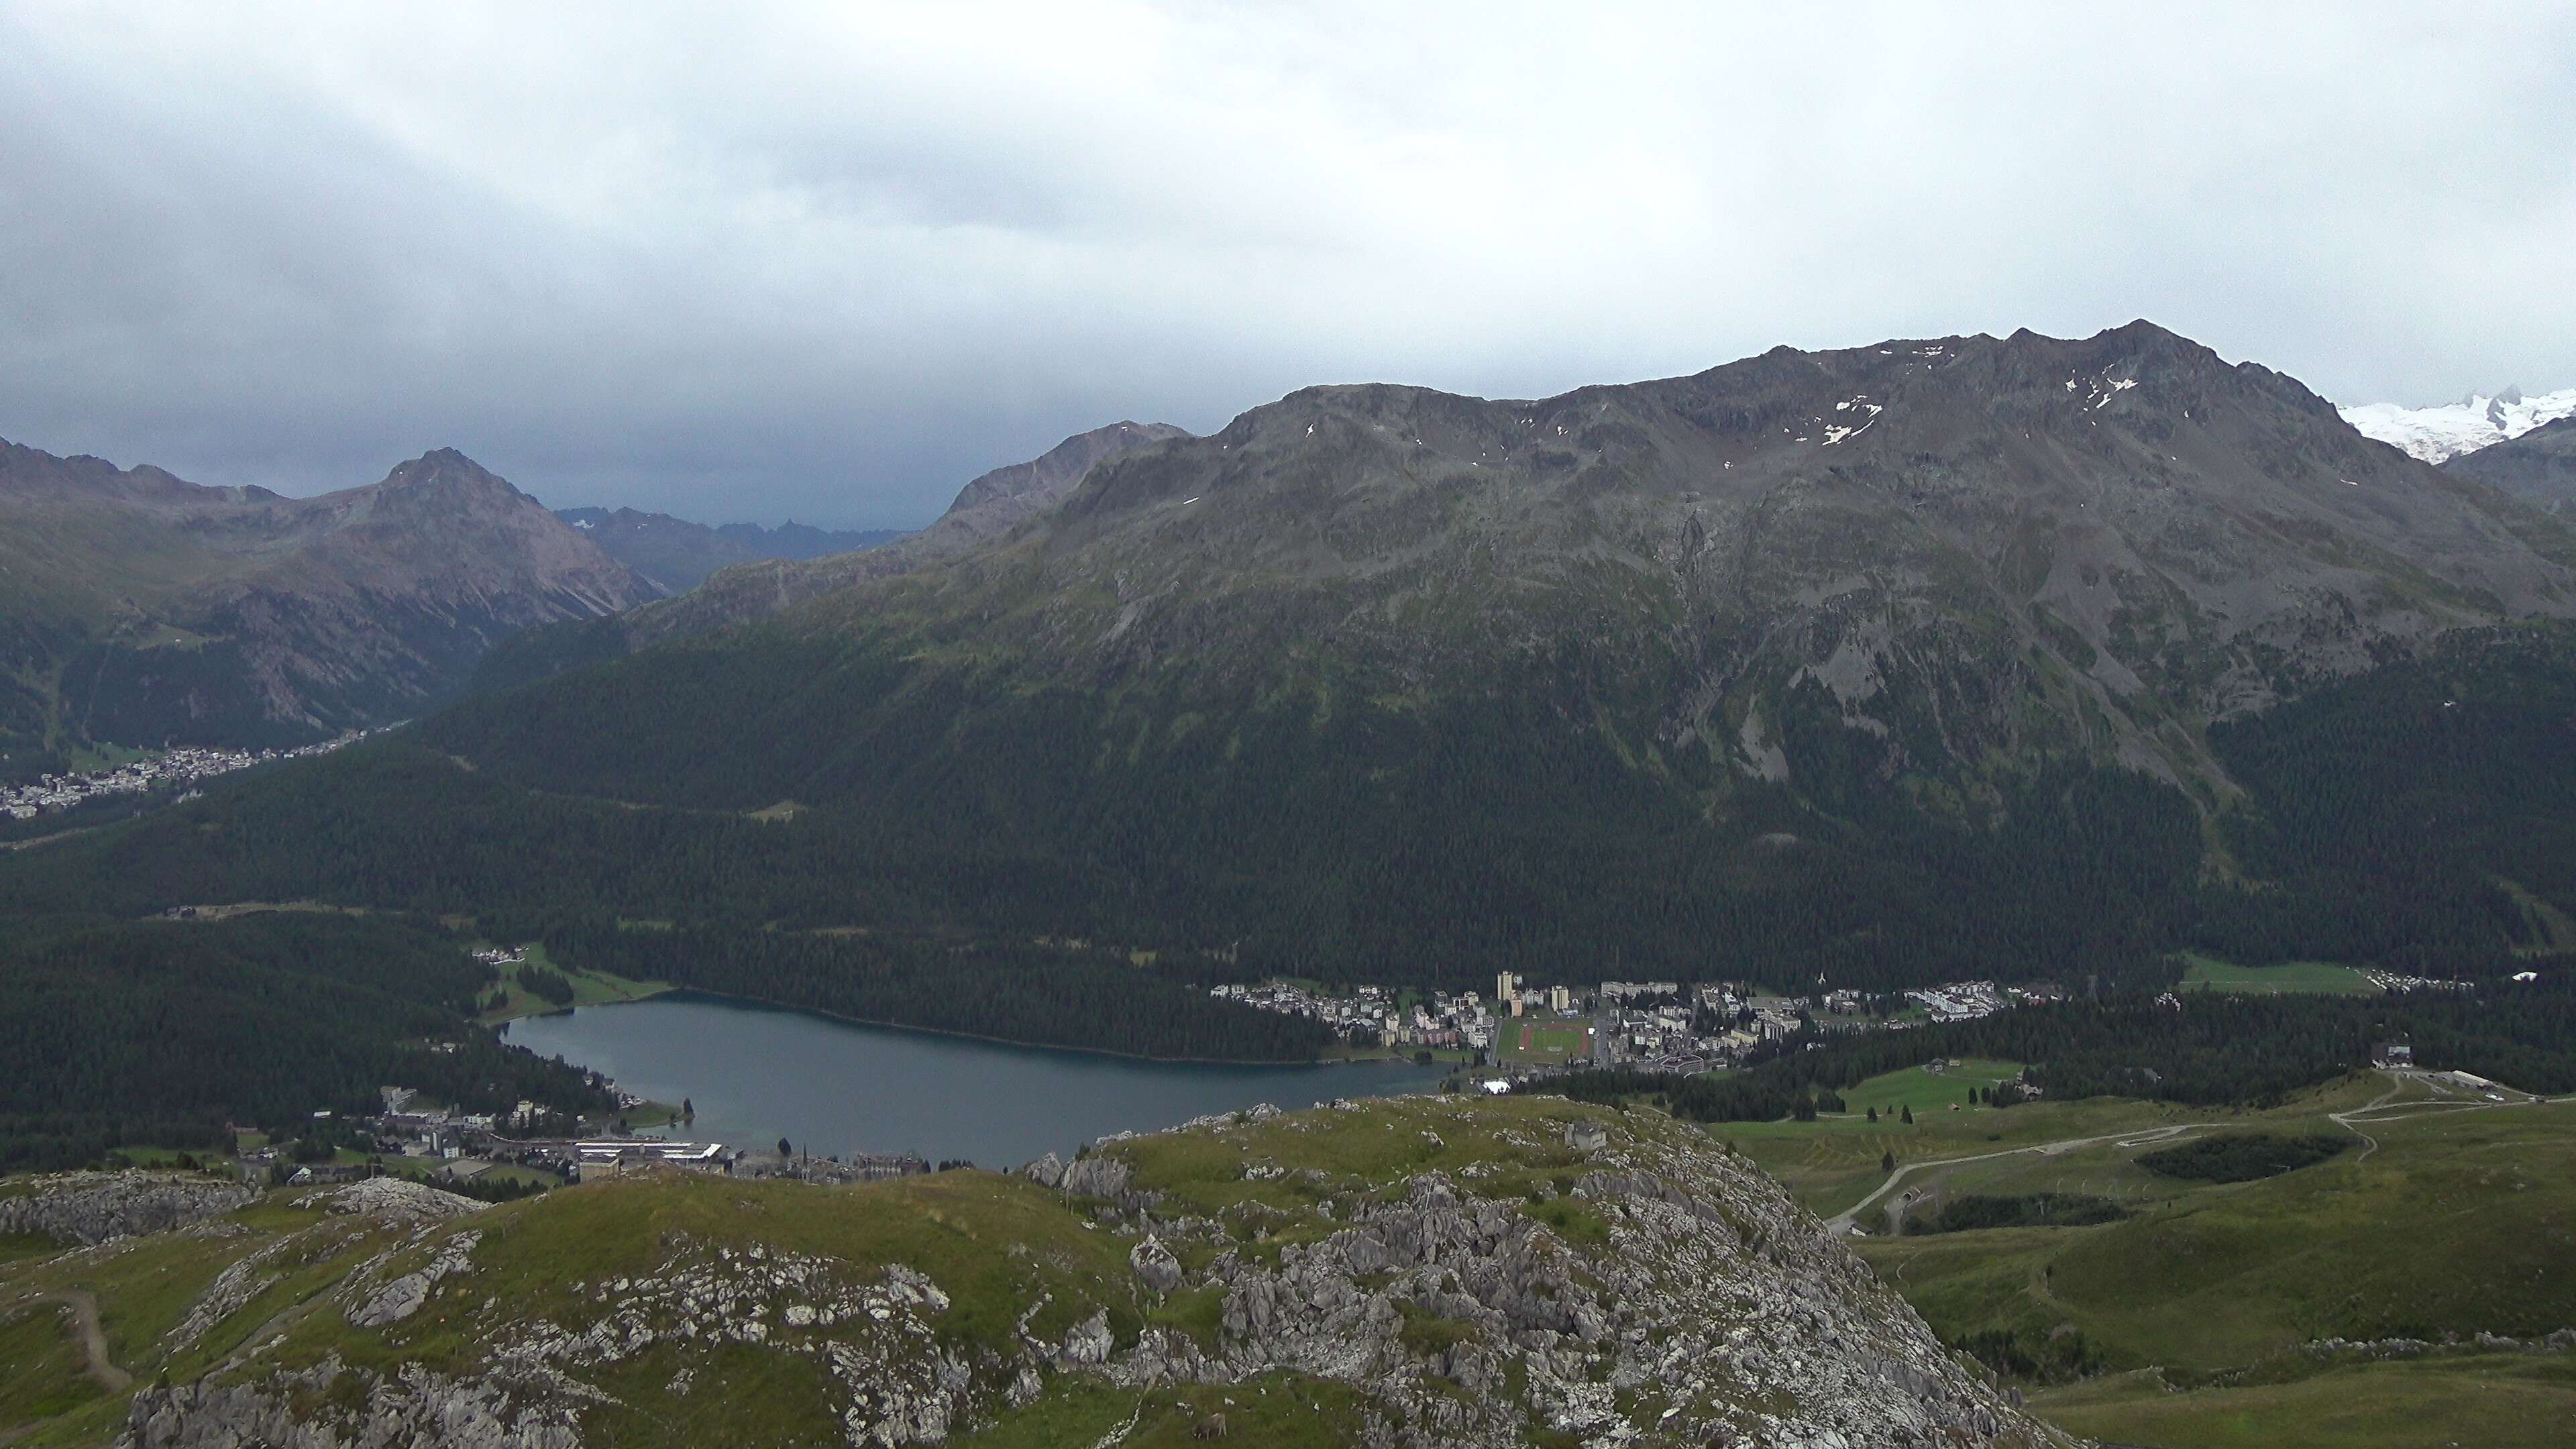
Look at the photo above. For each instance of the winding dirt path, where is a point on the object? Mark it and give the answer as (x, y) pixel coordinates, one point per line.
(2381, 1108)
(2140, 1137)
(83, 1309)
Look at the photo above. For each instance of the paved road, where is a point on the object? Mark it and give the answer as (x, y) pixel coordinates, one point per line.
(2353, 1120)
(1842, 1223)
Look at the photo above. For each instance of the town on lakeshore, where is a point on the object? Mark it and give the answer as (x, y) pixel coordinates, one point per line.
(173, 769)
(1524, 1034)
(530, 1147)
(1527, 1030)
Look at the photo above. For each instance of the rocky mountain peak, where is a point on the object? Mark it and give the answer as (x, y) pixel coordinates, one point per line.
(236, 615)
(449, 471)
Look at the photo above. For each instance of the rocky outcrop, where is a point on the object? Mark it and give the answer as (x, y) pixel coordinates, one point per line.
(401, 1298)
(411, 1409)
(1648, 1290)
(1095, 1177)
(394, 1199)
(87, 1208)
(1155, 1266)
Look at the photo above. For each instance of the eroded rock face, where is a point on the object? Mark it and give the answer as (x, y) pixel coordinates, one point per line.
(403, 1297)
(1155, 1265)
(415, 1409)
(393, 1199)
(1653, 1293)
(88, 1208)
(1096, 1177)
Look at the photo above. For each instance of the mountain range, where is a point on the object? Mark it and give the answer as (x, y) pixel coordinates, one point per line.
(1965, 546)
(2538, 465)
(675, 555)
(1968, 656)
(987, 508)
(2455, 430)
(142, 609)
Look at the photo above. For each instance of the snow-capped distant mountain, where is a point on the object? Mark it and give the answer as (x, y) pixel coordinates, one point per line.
(2438, 434)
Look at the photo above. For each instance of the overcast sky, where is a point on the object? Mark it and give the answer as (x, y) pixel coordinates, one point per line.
(830, 262)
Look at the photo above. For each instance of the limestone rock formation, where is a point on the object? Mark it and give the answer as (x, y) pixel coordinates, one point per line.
(97, 1207)
(1491, 1287)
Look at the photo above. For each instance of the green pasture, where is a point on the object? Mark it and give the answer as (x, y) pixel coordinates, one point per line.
(2208, 973)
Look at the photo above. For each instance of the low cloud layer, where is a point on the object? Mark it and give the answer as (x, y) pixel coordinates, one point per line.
(831, 262)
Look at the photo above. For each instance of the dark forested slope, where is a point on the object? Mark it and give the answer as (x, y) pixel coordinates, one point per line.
(1882, 666)
(168, 1033)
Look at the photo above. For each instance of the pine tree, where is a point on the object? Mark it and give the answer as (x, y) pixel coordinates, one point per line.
(1873, 1114)
(1887, 1162)
(1909, 1116)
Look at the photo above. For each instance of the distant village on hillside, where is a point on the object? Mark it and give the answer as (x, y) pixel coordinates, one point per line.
(172, 769)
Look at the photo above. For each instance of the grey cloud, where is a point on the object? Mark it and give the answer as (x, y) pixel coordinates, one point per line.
(832, 261)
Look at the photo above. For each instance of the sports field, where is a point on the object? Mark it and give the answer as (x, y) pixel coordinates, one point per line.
(2208, 973)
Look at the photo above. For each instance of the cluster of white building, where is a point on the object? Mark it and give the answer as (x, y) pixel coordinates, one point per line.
(2396, 984)
(1961, 1000)
(1374, 1016)
(182, 766)
(1656, 1025)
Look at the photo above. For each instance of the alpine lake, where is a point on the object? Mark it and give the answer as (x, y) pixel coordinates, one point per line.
(757, 1073)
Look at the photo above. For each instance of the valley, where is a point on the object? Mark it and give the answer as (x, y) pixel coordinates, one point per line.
(1941, 812)
(2311, 1306)
(1297, 726)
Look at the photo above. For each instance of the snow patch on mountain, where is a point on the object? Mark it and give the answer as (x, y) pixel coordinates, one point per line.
(2438, 434)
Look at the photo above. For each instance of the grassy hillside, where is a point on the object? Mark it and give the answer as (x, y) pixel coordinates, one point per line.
(2459, 1221)
(1446, 1272)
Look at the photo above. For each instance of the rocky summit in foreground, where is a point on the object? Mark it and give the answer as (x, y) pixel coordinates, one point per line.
(1428, 1272)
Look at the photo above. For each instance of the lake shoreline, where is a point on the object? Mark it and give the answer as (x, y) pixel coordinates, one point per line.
(668, 992)
(761, 1071)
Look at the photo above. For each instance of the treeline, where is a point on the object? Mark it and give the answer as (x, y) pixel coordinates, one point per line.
(2033, 1210)
(546, 984)
(2200, 1048)
(2242, 1156)
(1540, 822)
(1307, 835)
(2389, 807)
(1752, 1096)
(164, 1033)
(1013, 991)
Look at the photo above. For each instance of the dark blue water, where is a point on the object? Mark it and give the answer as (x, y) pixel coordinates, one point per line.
(759, 1073)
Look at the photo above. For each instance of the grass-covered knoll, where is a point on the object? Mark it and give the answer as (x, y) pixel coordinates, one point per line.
(1273, 1175)
(2492, 1400)
(1008, 1254)
(43, 1374)
(1344, 1273)
(2243, 1157)
(516, 994)
(1833, 1162)
(2210, 973)
(996, 1244)
(2036, 1210)
(1275, 1411)
(1921, 1089)
(2461, 1222)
